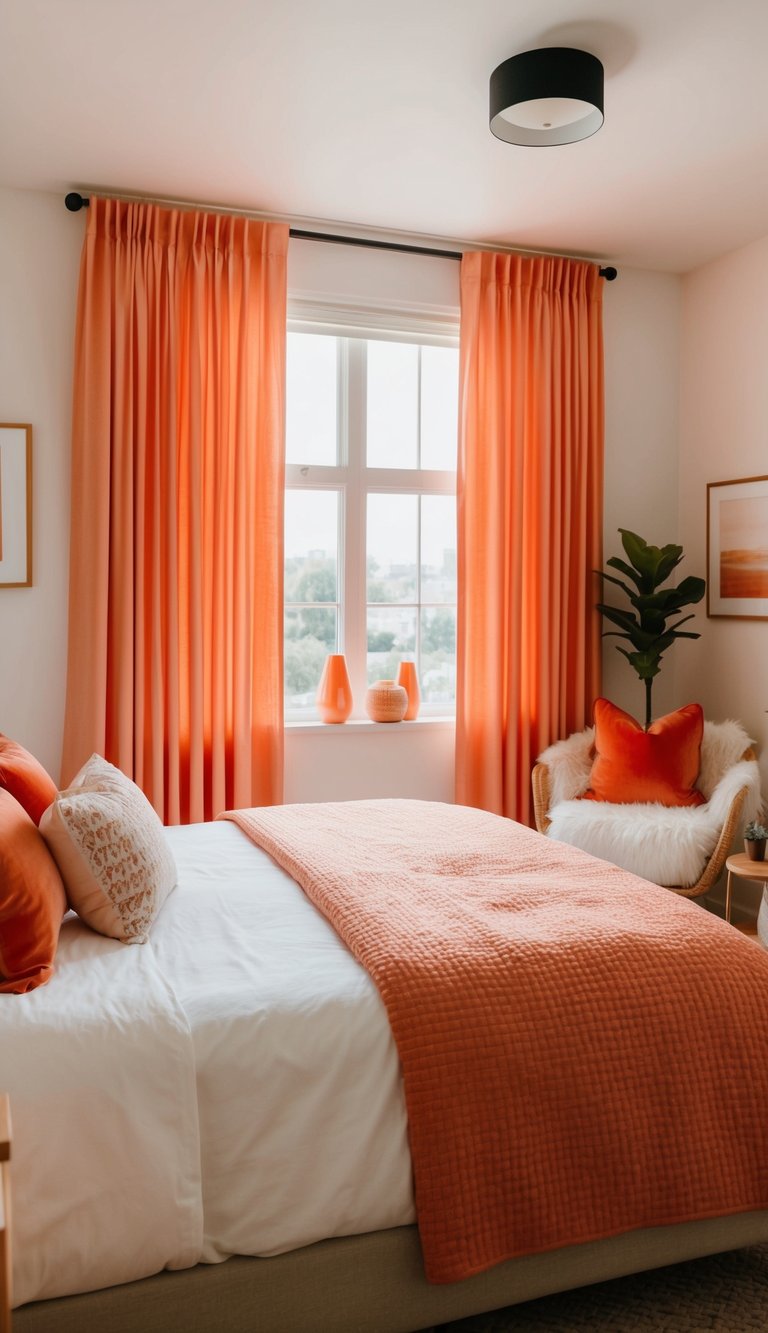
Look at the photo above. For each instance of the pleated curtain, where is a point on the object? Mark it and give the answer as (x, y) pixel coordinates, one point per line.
(175, 622)
(530, 489)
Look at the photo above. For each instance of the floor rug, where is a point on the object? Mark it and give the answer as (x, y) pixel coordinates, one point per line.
(726, 1293)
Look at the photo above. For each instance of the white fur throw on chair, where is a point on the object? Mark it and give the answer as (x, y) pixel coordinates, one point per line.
(668, 845)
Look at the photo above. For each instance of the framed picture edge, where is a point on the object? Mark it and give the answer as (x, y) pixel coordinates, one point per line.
(27, 428)
(713, 486)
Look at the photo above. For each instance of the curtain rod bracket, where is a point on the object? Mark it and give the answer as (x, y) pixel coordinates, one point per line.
(74, 201)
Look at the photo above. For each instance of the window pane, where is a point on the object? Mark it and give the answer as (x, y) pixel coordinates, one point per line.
(392, 542)
(438, 548)
(438, 655)
(310, 409)
(393, 404)
(391, 637)
(439, 406)
(310, 634)
(311, 545)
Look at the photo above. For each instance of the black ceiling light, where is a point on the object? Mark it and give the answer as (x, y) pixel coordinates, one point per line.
(550, 96)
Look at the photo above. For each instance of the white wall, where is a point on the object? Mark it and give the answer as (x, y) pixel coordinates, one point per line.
(39, 254)
(323, 270)
(642, 365)
(723, 436)
(365, 760)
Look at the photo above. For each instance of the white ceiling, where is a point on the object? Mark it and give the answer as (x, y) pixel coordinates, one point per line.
(375, 113)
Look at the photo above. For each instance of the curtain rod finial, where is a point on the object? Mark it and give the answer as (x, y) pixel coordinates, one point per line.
(74, 201)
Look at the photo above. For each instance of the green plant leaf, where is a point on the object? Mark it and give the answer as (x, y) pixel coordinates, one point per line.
(666, 600)
(638, 553)
(693, 589)
(665, 641)
(646, 664)
(640, 640)
(616, 563)
(653, 563)
(652, 621)
(624, 619)
(670, 557)
(609, 578)
(686, 634)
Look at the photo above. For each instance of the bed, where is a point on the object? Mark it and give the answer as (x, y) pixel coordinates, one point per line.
(232, 1089)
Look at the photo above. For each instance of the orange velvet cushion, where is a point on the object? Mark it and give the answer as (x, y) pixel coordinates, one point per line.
(32, 901)
(25, 778)
(661, 764)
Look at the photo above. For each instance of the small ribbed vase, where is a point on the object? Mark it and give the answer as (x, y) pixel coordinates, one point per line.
(334, 693)
(386, 701)
(406, 676)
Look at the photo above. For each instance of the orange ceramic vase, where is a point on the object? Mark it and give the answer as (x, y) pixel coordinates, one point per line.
(334, 693)
(406, 676)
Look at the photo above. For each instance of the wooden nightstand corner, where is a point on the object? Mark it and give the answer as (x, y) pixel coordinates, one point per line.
(5, 1215)
(742, 867)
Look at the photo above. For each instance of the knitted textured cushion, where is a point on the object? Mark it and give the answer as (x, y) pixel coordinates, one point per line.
(109, 845)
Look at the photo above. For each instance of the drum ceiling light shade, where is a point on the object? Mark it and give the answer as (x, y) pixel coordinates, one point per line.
(550, 96)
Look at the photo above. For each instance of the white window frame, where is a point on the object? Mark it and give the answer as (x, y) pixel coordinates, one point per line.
(353, 480)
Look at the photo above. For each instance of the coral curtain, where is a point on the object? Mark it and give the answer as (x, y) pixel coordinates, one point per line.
(529, 517)
(175, 622)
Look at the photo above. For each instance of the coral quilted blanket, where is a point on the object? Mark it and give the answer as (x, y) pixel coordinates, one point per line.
(583, 1053)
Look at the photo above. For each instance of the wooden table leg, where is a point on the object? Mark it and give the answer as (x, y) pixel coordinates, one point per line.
(5, 1217)
(728, 897)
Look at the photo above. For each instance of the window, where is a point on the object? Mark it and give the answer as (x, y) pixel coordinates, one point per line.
(370, 513)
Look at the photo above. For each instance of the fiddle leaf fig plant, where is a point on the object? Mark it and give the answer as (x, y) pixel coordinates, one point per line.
(644, 626)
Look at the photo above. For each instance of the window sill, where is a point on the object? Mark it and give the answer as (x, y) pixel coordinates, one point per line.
(362, 725)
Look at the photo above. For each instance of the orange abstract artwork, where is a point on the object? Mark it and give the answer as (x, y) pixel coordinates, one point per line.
(744, 547)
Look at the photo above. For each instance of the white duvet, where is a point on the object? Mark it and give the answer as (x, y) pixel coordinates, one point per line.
(231, 1087)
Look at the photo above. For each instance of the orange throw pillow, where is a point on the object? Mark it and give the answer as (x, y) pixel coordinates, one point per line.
(661, 764)
(25, 778)
(32, 901)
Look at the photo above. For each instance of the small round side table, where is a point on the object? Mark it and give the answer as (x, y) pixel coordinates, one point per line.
(742, 867)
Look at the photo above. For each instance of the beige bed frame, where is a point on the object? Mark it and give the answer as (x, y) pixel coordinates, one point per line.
(367, 1284)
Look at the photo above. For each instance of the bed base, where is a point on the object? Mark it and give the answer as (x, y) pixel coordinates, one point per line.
(372, 1283)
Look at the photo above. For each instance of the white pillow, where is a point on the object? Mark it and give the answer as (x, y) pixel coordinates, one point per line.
(109, 845)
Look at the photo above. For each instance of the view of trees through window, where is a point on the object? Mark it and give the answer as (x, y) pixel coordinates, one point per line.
(311, 590)
(370, 514)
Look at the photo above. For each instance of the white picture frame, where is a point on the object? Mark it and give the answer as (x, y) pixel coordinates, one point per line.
(737, 548)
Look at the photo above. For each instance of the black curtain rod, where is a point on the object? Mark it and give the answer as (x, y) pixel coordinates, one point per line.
(371, 244)
(74, 202)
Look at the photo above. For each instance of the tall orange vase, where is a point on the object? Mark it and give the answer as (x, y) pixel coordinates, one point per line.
(406, 676)
(334, 693)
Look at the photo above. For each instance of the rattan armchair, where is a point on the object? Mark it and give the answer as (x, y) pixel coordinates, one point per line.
(541, 783)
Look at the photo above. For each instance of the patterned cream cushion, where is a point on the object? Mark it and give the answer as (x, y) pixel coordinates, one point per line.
(110, 848)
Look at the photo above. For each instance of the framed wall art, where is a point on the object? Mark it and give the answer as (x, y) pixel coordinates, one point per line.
(15, 506)
(737, 548)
